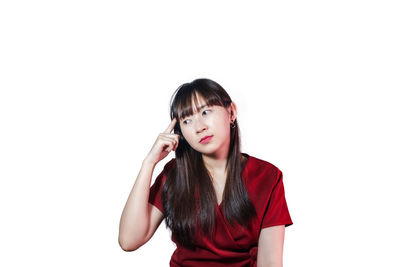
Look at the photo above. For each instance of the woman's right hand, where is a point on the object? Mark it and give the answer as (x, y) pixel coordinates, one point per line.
(165, 143)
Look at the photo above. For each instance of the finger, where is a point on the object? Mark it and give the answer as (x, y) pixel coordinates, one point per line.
(175, 137)
(171, 126)
(169, 138)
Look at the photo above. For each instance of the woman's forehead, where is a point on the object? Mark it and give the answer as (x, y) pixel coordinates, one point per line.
(197, 102)
(194, 104)
(198, 106)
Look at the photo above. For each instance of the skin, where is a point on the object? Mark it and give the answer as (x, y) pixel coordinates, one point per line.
(270, 246)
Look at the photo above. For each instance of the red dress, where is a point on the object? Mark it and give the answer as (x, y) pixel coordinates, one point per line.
(234, 246)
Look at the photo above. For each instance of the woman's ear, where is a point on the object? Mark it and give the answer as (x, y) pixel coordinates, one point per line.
(233, 111)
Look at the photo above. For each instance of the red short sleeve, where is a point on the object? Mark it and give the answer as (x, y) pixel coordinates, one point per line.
(156, 188)
(277, 212)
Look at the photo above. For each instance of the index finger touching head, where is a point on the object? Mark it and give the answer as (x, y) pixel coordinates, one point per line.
(171, 126)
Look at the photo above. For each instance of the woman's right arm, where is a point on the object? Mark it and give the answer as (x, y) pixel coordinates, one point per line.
(140, 219)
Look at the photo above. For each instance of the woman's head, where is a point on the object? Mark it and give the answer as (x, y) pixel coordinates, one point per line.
(203, 108)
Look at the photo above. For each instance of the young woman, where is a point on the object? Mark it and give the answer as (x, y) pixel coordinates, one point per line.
(223, 207)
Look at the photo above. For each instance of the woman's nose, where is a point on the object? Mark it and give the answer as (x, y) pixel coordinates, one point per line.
(200, 126)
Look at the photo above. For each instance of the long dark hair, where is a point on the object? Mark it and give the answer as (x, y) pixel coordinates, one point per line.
(188, 195)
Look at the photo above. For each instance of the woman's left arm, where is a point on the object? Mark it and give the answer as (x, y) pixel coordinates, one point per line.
(270, 246)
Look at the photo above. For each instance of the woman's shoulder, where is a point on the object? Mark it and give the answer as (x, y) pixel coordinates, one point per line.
(258, 166)
(170, 164)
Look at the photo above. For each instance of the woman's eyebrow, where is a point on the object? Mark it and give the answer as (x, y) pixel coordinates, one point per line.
(205, 105)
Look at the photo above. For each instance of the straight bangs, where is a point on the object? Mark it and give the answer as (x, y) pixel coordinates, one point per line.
(187, 101)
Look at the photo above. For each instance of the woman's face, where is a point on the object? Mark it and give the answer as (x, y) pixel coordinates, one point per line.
(208, 121)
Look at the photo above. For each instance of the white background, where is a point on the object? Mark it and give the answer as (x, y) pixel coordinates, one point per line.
(85, 90)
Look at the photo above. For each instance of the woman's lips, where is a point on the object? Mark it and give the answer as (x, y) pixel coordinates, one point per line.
(206, 140)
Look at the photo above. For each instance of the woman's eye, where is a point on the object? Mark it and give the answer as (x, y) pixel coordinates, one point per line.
(185, 121)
